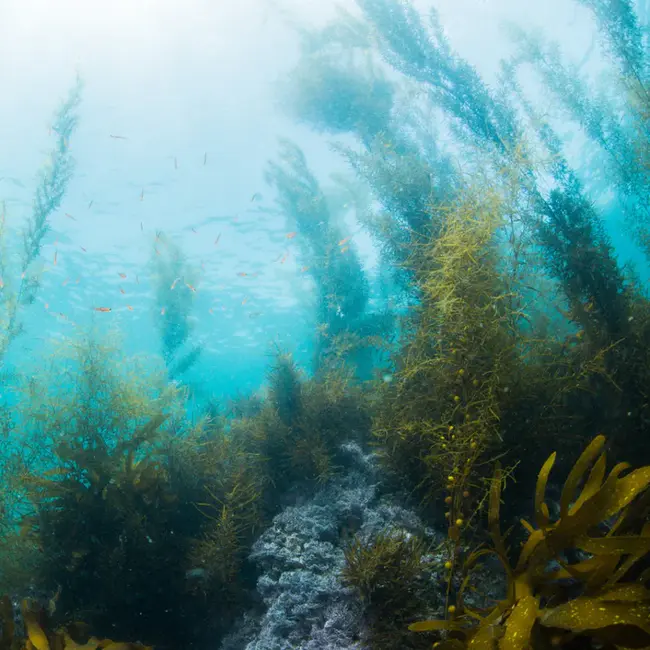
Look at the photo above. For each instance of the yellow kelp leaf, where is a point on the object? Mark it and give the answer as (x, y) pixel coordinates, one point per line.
(605, 503)
(520, 625)
(434, 626)
(621, 545)
(579, 570)
(590, 614)
(626, 592)
(593, 484)
(542, 518)
(626, 489)
(486, 637)
(577, 472)
(529, 547)
(34, 631)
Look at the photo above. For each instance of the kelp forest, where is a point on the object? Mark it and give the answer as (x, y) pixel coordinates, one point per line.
(464, 462)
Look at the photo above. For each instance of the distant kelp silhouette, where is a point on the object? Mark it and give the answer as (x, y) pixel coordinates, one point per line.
(344, 327)
(174, 287)
(52, 184)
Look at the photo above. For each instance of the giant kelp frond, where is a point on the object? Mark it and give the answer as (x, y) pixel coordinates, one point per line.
(336, 86)
(341, 284)
(423, 53)
(623, 36)
(53, 180)
(174, 287)
(597, 593)
(611, 120)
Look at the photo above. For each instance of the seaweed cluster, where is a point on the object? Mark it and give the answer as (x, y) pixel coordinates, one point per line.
(35, 631)
(580, 577)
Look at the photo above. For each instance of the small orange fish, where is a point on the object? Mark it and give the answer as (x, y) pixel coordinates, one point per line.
(103, 309)
(55, 256)
(211, 311)
(2, 284)
(70, 216)
(162, 311)
(216, 241)
(304, 269)
(291, 235)
(284, 258)
(242, 274)
(190, 287)
(129, 307)
(65, 282)
(122, 275)
(47, 305)
(174, 283)
(343, 242)
(345, 249)
(244, 301)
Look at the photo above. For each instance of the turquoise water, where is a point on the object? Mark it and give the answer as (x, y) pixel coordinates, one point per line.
(180, 112)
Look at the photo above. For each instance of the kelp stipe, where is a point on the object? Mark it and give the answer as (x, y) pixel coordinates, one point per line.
(580, 580)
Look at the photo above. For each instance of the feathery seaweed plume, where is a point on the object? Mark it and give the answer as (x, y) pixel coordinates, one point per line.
(52, 183)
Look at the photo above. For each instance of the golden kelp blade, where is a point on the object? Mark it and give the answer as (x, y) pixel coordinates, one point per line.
(519, 625)
(35, 632)
(579, 470)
